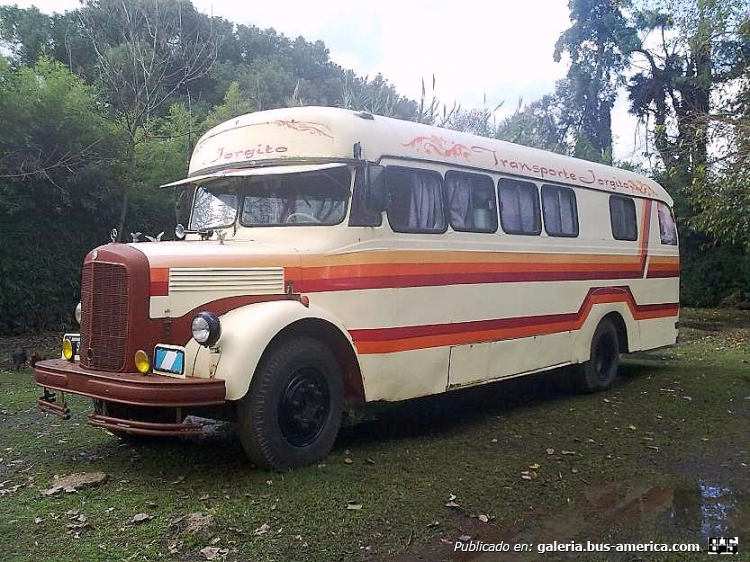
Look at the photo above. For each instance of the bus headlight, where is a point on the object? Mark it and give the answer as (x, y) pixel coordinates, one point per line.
(206, 328)
(78, 313)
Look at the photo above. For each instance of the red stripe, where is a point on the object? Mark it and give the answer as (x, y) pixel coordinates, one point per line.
(159, 288)
(396, 281)
(402, 338)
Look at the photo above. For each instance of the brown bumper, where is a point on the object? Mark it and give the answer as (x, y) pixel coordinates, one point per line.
(129, 388)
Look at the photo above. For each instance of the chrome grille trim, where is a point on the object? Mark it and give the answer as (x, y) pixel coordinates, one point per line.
(249, 280)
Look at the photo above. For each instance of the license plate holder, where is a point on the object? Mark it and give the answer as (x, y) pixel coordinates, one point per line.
(169, 361)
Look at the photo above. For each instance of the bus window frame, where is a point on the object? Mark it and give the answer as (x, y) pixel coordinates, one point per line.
(440, 191)
(558, 189)
(490, 183)
(537, 208)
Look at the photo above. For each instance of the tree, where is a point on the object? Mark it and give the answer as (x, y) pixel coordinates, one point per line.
(598, 42)
(691, 90)
(147, 52)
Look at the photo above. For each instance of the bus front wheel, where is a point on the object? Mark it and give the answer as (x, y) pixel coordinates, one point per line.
(291, 414)
(600, 371)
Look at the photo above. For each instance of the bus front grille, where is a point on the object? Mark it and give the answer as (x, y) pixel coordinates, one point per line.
(104, 316)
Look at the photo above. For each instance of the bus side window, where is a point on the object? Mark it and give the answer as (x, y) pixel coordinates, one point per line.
(622, 218)
(416, 203)
(560, 211)
(519, 207)
(667, 227)
(471, 202)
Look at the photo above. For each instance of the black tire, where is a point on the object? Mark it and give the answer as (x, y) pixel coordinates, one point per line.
(600, 371)
(291, 414)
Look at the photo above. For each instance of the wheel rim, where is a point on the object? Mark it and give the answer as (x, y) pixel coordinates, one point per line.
(305, 406)
(605, 358)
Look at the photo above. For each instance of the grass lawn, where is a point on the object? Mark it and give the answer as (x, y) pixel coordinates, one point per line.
(663, 457)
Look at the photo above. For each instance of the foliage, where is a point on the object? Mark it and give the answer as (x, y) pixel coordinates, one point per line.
(103, 103)
(598, 43)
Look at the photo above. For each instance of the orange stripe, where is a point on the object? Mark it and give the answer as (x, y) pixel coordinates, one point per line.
(377, 341)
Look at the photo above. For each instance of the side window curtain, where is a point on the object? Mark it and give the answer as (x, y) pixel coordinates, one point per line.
(560, 211)
(470, 199)
(622, 218)
(667, 226)
(519, 207)
(416, 203)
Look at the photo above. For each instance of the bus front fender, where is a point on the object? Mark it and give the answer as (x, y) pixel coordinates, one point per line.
(246, 333)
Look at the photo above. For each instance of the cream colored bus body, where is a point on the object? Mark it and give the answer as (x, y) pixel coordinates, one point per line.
(405, 328)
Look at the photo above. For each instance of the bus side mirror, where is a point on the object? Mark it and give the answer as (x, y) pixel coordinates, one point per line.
(376, 199)
(370, 196)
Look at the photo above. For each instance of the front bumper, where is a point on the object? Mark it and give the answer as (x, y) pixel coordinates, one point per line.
(129, 389)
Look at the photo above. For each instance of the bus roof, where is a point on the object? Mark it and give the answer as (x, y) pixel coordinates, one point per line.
(308, 135)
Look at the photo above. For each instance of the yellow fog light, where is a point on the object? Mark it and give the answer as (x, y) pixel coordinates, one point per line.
(67, 349)
(142, 362)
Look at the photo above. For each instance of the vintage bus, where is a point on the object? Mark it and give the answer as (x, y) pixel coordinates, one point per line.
(335, 255)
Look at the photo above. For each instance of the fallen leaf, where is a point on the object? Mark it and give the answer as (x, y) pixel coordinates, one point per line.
(370, 461)
(464, 538)
(550, 451)
(631, 427)
(433, 524)
(568, 452)
(141, 517)
(347, 460)
(353, 506)
(483, 518)
(212, 552)
(262, 530)
(534, 466)
(452, 505)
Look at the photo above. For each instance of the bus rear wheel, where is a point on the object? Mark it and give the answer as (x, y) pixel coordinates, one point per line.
(600, 371)
(291, 414)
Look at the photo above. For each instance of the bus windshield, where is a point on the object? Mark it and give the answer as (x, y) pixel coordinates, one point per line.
(310, 198)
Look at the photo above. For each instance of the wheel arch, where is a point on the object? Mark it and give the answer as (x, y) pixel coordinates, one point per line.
(249, 332)
(332, 337)
(621, 318)
(621, 328)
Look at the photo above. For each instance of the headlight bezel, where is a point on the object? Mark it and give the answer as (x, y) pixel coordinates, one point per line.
(206, 328)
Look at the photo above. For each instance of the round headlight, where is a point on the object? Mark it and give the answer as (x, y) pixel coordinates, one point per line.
(78, 313)
(206, 328)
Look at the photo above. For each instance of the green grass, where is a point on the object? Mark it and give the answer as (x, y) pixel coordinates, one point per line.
(625, 467)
